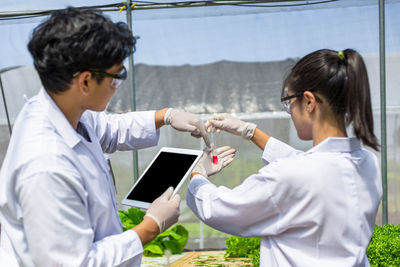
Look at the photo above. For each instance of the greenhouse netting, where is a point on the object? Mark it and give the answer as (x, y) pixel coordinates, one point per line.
(220, 58)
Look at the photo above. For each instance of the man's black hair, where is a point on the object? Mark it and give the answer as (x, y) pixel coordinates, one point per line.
(74, 40)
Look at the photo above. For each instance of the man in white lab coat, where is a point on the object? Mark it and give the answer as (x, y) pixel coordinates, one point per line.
(57, 201)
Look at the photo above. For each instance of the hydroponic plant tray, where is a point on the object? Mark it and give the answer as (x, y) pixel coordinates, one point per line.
(197, 259)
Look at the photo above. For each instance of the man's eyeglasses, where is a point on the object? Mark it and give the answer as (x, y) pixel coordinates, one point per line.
(286, 100)
(117, 78)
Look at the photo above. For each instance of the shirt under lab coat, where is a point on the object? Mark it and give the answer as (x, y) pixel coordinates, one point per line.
(314, 208)
(57, 200)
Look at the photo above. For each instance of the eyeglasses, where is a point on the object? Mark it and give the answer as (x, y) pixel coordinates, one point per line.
(117, 78)
(286, 100)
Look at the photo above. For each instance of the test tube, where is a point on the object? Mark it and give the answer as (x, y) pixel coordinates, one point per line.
(214, 156)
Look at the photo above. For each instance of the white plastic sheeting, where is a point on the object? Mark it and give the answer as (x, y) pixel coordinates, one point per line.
(194, 40)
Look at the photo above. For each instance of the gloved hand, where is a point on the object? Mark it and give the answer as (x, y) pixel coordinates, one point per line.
(165, 211)
(186, 122)
(228, 123)
(206, 167)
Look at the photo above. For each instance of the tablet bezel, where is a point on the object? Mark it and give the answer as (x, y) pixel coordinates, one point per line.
(145, 205)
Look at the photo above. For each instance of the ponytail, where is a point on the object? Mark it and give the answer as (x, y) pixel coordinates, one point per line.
(342, 79)
(358, 106)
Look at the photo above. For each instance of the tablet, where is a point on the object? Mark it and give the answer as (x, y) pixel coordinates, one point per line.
(170, 167)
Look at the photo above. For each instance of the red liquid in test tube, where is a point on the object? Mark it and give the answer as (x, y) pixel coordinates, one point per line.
(215, 159)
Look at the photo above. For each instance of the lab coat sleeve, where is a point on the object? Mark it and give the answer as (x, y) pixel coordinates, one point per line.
(132, 130)
(58, 226)
(275, 149)
(246, 210)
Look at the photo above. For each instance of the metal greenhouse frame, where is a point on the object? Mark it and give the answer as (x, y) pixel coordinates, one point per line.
(129, 7)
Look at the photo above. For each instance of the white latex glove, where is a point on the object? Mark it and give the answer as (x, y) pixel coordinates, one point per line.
(165, 211)
(228, 123)
(186, 122)
(206, 167)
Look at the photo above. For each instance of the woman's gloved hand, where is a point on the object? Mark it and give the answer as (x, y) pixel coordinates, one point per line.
(186, 122)
(165, 210)
(228, 123)
(206, 166)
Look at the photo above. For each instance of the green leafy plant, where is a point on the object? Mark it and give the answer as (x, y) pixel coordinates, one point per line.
(173, 239)
(384, 247)
(238, 247)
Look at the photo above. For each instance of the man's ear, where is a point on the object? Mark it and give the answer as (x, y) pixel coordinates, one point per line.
(83, 81)
(309, 101)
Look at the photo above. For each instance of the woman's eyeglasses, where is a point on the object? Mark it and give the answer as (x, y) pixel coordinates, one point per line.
(286, 100)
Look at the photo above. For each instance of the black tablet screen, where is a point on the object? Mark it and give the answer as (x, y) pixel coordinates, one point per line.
(167, 170)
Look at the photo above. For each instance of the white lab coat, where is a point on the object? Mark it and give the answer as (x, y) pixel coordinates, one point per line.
(57, 200)
(314, 208)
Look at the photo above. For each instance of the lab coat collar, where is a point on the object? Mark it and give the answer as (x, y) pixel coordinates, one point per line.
(337, 144)
(58, 119)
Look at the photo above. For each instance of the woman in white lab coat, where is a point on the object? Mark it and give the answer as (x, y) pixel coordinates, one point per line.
(313, 208)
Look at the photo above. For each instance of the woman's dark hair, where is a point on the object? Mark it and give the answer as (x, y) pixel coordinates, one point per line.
(341, 78)
(74, 40)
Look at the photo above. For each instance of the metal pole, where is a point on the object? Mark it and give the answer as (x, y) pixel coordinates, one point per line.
(132, 91)
(201, 235)
(150, 5)
(5, 106)
(201, 245)
(382, 63)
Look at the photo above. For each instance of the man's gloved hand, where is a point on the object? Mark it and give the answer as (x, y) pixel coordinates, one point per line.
(228, 123)
(186, 122)
(165, 211)
(206, 167)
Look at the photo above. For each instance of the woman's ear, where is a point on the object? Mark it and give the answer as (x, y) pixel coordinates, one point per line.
(309, 101)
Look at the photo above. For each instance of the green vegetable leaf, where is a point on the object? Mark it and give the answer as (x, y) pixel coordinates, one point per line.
(174, 239)
(244, 247)
(181, 235)
(136, 215)
(153, 250)
(125, 220)
(384, 247)
(172, 245)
